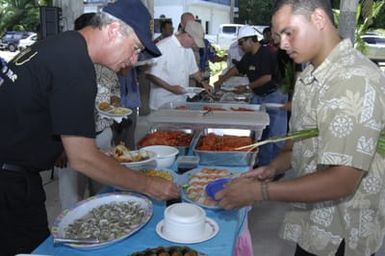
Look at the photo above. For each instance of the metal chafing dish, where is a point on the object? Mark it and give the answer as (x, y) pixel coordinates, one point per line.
(221, 96)
(198, 120)
(198, 106)
(226, 158)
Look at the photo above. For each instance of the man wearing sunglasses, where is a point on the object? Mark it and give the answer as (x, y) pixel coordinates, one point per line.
(260, 65)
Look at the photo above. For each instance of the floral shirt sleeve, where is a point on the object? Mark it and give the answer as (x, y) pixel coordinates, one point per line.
(108, 85)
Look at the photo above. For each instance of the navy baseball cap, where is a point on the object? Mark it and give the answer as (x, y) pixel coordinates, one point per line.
(136, 15)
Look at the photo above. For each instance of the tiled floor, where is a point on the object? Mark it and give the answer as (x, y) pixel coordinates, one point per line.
(264, 219)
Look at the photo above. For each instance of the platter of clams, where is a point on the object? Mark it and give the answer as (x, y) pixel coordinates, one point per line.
(102, 220)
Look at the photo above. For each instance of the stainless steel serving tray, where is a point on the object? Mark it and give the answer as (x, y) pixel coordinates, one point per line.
(198, 106)
(182, 150)
(226, 158)
(200, 119)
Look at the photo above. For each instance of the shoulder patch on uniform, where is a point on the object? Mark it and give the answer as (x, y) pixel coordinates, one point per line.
(24, 56)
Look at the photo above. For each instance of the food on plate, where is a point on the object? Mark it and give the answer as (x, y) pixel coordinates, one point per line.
(198, 181)
(105, 106)
(159, 173)
(170, 138)
(106, 222)
(122, 154)
(119, 111)
(213, 142)
(168, 251)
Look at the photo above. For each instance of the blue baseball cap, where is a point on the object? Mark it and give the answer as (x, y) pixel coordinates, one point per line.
(136, 15)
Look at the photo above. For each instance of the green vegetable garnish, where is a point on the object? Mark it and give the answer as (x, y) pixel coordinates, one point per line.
(305, 134)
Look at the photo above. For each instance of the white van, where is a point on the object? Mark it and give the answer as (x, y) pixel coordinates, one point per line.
(227, 34)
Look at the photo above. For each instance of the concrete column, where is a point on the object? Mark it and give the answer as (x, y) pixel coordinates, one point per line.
(347, 23)
(71, 9)
(144, 84)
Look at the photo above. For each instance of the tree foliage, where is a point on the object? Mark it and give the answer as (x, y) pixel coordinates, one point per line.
(255, 12)
(19, 15)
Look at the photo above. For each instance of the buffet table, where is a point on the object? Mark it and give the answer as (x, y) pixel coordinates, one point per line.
(230, 225)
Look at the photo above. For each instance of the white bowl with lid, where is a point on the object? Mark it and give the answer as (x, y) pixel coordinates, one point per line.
(184, 221)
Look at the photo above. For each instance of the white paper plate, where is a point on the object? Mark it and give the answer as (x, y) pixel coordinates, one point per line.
(149, 162)
(145, 62)
(82, 208)
(192, 91)
(111, 113)
(211, 230)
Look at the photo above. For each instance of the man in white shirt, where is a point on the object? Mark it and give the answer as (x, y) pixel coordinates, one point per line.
(170, 73)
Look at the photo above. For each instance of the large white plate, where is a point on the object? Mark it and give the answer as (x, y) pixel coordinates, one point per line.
(82, 208)
(184, 179)
(111, 113)
(147, 163)
(211, 229)
(192, 91)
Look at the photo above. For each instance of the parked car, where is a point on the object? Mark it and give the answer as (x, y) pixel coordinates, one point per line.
(29, 40)
(10, 39)
(375, 47)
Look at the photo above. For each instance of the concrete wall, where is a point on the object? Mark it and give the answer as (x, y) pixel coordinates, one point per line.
(211, 13)
(71, 9)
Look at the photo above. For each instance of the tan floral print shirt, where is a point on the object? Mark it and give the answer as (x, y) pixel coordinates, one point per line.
(345, 99)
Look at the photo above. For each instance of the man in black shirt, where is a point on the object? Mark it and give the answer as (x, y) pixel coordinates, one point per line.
(47, 101)
(260, 65)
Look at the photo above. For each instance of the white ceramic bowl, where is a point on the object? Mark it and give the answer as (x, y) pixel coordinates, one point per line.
(165, 155)
(184, 221)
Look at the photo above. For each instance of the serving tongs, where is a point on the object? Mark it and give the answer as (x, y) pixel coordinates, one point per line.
(62, 240)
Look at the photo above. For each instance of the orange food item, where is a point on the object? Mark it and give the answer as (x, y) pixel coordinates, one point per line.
(213, 142)
(208, 108)
(181, 108)
(242, 109)
(170, 138)
(104, 106)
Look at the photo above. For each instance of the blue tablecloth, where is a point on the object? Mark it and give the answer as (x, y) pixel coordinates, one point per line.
(230, 225)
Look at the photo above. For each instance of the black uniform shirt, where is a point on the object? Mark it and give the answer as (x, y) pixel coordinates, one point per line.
(47, 91)
(263, 62)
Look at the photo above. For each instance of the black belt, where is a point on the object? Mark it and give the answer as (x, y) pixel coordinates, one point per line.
(266, 91)
(13, 168)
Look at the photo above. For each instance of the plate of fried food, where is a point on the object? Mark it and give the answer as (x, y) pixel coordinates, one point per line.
(132, 158)
(109, 110)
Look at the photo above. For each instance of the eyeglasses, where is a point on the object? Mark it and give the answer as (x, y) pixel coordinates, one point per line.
(138, 49)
